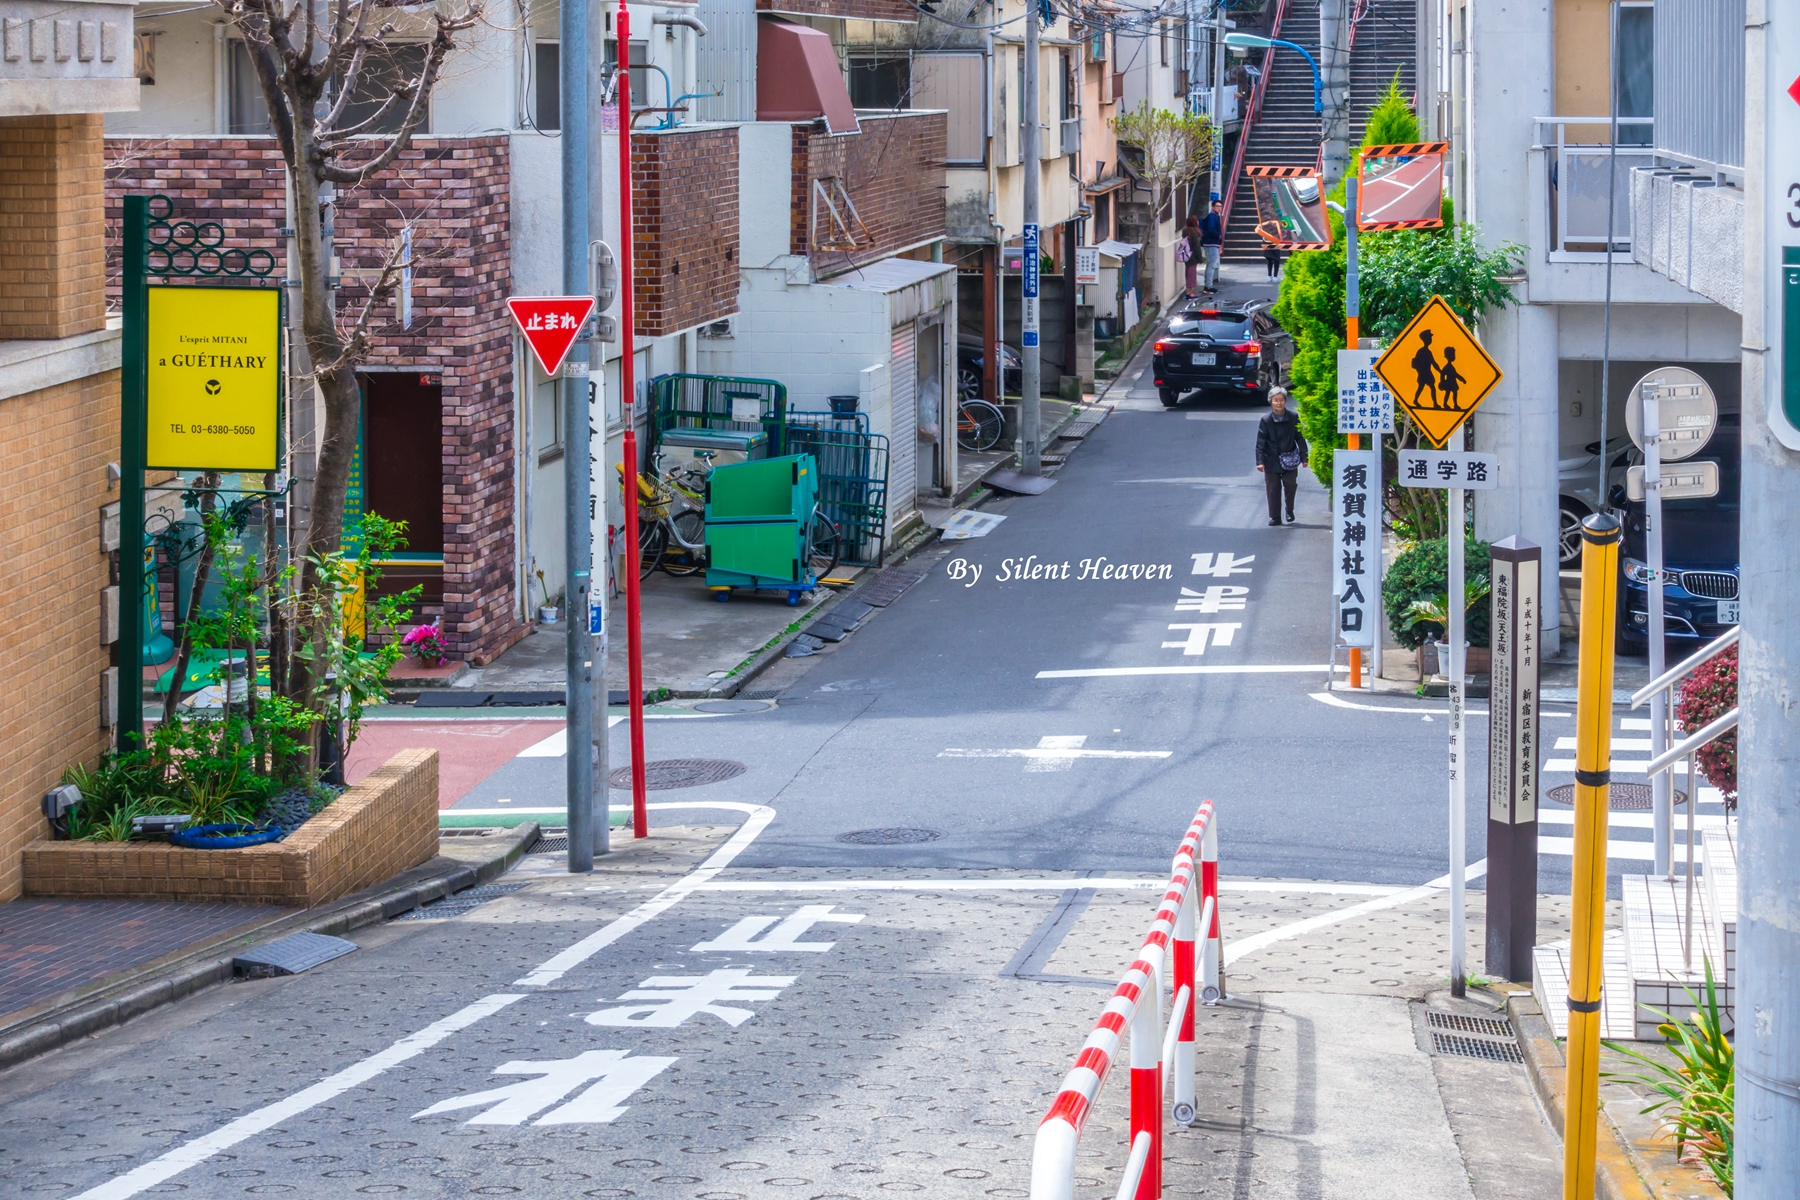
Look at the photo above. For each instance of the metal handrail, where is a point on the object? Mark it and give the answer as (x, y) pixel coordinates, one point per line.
(1228, 188)
(1134, 1167)
(1686, 666)
(1676, 753)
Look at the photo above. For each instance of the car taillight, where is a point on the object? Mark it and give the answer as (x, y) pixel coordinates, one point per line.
(1162, 347)
(1248, 347)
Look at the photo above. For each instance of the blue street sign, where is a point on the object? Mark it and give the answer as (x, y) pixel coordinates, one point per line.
(1028, 271)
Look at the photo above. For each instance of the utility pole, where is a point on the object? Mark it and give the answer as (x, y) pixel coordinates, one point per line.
(1768, 1034)
(578, 511)
(1334, 67)
(1030, 373)
(1218, 101)
(600, 264)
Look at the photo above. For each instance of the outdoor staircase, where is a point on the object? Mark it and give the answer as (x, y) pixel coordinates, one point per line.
(1642, 962)
(1286, 132)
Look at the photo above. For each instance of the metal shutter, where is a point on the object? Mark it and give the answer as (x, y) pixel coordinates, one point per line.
(903, 426)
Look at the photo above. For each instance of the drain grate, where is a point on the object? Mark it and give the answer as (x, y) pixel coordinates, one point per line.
(551, 845)
(668, 773)
(1472, 1047)
(461, 904)
(1489, 1026)
(890, 837)
(768, 693)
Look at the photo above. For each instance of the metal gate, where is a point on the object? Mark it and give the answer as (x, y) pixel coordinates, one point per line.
(718, 402)
(853, 479)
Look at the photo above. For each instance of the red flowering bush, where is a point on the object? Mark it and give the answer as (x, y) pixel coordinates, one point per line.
(1709, 693)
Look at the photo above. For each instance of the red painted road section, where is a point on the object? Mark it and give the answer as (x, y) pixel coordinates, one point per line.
(468, 751)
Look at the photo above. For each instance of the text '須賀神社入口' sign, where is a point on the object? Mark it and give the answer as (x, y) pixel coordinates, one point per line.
(1356, 544)
(213, 378)
(1437, 371)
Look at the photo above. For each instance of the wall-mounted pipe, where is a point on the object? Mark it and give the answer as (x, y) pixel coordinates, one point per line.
(688, 19)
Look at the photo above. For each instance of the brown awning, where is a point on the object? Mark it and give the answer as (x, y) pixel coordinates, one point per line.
(798, 79)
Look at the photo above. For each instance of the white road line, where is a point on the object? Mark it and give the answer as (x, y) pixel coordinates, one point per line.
(166, 1166)
(1052, 752)
(1628, 766)
(1028, 885)
(757, 820)
(249, 1125)
(1340, 702)
(1618, 743)
(1565, 848)
(1235, 950)
(1633, 820)
(1210, 669)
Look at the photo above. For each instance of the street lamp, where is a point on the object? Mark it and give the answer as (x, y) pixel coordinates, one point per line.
(1249, 41)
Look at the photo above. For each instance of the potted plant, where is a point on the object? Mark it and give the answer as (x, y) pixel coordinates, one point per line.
(425, 643)
(1433, 614)
(547, 611)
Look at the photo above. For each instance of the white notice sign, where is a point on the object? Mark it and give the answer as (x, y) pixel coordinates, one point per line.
(1087, 264)
(1364, 403)
(1449, 469)
(1356, 543)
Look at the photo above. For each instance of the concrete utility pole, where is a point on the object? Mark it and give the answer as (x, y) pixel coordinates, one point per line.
(578, 512)
(1334, 67)
(1030, 373)
(1768, 1030)
(1218, 100)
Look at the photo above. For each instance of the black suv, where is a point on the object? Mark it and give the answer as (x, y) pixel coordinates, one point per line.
(1700, 553)
(1217, 346)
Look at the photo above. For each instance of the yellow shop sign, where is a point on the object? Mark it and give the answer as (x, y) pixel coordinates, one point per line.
(214, 378)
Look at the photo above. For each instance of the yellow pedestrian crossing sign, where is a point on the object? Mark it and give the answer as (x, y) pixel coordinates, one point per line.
(1437, 371)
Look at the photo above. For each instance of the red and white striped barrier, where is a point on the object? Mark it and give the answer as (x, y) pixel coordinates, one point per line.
(1137, 1003)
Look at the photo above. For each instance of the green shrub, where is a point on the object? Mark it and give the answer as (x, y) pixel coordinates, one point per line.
(1697, 1096)
(1422, 572)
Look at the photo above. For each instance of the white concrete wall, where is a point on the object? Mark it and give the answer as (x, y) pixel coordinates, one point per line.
(478, 87)
(765, 174)
(1510, 81)
(181, 103)
(815, 338)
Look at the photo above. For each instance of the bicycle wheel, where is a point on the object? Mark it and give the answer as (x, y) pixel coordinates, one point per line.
(685, 551)
(979, 425)
(823, 545)
(653, 539)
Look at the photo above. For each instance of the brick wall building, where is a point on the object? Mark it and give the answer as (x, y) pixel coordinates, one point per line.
(684, 227)
(892, 172)
(59, 428)
(455, 191)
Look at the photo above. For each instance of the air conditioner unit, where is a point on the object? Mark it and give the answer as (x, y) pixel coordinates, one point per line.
(718, 329)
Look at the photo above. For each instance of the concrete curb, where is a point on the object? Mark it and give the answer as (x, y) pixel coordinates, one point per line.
(1621, 1170)
(115, 1000)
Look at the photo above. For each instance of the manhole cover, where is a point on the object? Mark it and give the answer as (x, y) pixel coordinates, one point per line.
(667, 773)
(890, 837)
(731, 706)
(1624, 797)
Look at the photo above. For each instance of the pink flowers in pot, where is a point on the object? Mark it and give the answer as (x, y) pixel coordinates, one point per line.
(425, 643)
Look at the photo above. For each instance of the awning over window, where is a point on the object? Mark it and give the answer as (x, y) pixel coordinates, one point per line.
(798, 79)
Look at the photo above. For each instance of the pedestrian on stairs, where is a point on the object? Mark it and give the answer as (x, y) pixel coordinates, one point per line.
(1280, 453)
(1212, 239)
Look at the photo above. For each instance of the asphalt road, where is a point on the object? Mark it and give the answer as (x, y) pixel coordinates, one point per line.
(813, 1016)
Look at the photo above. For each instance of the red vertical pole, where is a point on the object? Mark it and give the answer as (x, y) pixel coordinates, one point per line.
(634, 629)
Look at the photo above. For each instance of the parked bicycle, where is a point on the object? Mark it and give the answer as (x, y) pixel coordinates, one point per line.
(979, 424)
(672, 523)
(671, 517)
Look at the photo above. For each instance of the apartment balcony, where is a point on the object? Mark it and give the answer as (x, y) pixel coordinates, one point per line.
(854, 10)
(1582, 169)
(862, 197)
(684, 226)
(1071, 136)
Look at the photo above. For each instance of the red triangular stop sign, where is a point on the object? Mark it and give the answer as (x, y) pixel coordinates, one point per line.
(550, 324)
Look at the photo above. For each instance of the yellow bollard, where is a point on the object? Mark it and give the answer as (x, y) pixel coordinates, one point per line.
(1593, 778)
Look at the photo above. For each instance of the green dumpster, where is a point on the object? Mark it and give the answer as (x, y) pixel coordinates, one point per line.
(757, 515)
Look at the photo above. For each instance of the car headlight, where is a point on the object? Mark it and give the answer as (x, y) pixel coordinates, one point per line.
(1637, 572)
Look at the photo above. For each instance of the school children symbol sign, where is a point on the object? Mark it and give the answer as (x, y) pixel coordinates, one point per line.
(1437, 371)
